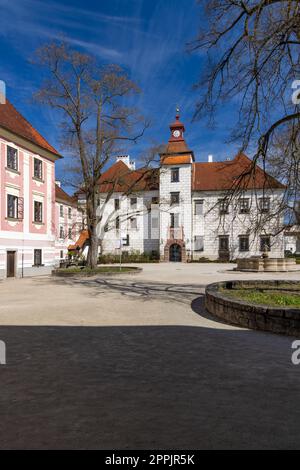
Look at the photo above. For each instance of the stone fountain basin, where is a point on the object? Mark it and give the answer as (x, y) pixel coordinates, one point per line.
(267, 264)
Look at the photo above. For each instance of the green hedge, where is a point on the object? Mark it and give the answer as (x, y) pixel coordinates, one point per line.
(129, 257)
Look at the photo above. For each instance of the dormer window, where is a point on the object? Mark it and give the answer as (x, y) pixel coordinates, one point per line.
(12, 158)
(175, 175)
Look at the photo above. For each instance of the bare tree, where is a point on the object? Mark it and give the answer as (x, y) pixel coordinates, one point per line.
(95, 119)
(253, 60)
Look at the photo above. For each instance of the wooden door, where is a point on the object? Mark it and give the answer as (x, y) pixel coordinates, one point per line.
(175, 253)
(11, 256)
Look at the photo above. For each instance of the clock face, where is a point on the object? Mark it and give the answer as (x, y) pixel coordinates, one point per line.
(176, 134)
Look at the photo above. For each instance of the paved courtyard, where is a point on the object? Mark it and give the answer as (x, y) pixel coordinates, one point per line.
(135, 362)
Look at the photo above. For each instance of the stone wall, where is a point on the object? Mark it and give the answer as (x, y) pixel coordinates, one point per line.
(281, 320)
(267, 264)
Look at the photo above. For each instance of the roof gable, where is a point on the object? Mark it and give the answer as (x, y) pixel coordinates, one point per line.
(13, 121)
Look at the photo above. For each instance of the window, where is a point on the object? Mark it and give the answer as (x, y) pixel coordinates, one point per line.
(265, 243)
(38, 211)
(133, 202)
(174, 198)
(174, 175)
(126, 241)
(117, 223)
(37, 257)
(38, 168)
(223, 206)
(69, 213)
(117, 204)
(61, 210)
(264, 204)
(70, 234)
(12, 206)
(154, 222)
(154, 200)
(12, 158)
(244, 205)
(224, 243)
(244, 243)
(174, 220)
(61, 254)
(199, 243)
(198, 207)
(133, 223)
(61, 232)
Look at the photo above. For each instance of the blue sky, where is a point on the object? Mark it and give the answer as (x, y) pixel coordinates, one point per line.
(148, 38)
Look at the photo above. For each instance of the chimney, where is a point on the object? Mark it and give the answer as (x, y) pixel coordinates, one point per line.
(126, 159)
(58, 183)
(210, 158)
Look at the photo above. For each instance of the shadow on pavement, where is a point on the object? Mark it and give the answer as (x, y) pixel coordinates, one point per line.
(156, 387)
(142, 290)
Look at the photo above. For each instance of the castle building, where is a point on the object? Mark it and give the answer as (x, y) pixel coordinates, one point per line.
(184, 210)
(178, 211)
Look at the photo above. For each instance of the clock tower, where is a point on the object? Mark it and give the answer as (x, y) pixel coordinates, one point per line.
(177, 146)
(175, 193)
(177, 129)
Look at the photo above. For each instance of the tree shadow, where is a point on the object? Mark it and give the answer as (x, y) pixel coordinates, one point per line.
(140, 290)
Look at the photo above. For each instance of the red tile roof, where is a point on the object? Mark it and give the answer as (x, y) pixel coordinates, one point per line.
(120, 178)
(176, 160)
(61, 195)
(214, 176)
(13, 121)
(173, 146)
(218, 176)
(83, 237)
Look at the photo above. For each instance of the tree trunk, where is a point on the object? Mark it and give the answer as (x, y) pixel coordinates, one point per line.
(92, 257)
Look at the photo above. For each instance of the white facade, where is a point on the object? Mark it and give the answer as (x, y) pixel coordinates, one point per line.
(132, 221)
(198, 221)
(187, 213)
(292, 239)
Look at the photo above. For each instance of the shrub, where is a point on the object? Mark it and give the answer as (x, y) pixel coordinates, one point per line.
(129, 257)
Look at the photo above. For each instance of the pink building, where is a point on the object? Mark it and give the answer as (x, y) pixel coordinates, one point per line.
(68, 222)
(27, 195)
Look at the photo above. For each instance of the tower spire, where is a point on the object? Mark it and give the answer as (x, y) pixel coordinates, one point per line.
(177, 146)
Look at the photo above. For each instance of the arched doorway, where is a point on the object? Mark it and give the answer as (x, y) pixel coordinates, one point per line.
(175, 253)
